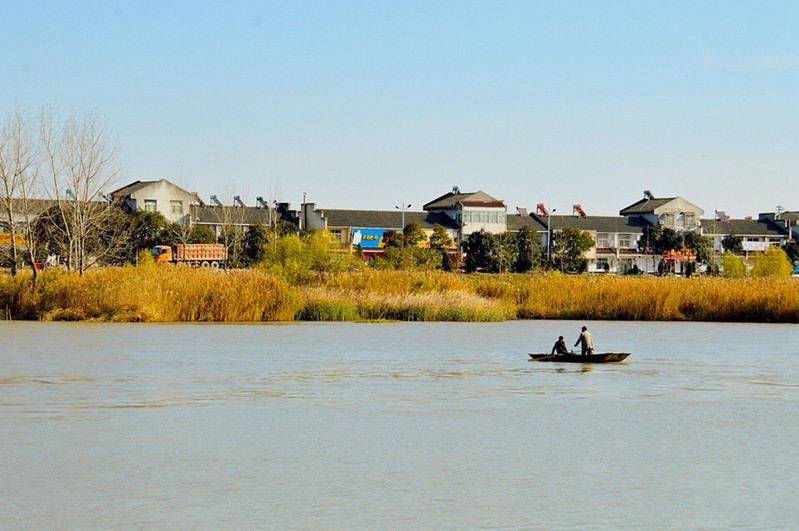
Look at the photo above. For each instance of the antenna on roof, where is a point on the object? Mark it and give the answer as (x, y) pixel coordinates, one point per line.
(778, 212)
(456, 190)
(648, 195)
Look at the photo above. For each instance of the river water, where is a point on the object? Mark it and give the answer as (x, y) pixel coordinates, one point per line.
(397, 425)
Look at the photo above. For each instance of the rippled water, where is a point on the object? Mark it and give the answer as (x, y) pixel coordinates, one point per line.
(400, 425)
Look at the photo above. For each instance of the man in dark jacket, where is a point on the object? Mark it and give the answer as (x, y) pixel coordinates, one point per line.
(560, 347)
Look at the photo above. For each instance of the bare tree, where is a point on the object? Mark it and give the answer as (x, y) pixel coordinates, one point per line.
(18, 182)
(82, 163)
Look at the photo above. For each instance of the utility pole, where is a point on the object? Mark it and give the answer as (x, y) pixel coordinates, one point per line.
(549, 232)
(403, 209)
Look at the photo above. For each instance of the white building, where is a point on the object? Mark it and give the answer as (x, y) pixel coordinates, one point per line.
(157, 196)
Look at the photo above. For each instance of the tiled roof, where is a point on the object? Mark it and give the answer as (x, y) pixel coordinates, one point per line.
(645, 206)
(617, 224)
(234, 215)
(494, 203)
(743, 227)
(129, 189)
(384, 219)
(449, 200)
(516, 222)
(35, 206)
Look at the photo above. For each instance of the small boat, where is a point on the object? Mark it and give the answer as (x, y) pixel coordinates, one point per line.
(605, 357)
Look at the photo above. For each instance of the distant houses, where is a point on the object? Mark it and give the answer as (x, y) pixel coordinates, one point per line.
(617, 239)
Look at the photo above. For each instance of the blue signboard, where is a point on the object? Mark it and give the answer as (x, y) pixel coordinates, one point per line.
(367, 238)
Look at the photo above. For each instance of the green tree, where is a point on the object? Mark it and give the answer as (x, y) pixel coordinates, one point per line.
(791, 249)
(392, 238)
(413, 233)
(701, 245)
(656, 239)
(528, 250)
(772, 263)
(255, 239)
(201, 234)
(733, 243)
(148, 229)
(507, 250)
(732, 265)
(409, 258)
(481, 252)
(568, 249)
(440, 240)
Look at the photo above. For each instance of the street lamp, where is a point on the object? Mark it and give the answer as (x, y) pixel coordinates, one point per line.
(403, 209)
(549, 232)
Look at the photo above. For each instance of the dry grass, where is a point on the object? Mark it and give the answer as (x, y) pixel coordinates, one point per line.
(155, 294)
(171, 294)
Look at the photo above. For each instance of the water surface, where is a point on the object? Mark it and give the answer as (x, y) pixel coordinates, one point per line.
(398, 425)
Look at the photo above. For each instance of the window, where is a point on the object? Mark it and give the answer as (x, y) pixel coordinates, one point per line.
(602, 264)
(501, 218)
(602, 239)
(690, 220)
(150, 205)
(176, 207)
(484, 217)
(625, 241)
(667, 219)
(493, 217)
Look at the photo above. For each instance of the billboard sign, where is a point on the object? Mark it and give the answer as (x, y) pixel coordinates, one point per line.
(367, 238)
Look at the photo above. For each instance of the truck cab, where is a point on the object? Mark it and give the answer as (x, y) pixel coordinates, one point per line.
(162, 253)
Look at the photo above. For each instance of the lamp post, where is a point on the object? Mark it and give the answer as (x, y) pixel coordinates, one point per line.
(403, 209)
(549, 232)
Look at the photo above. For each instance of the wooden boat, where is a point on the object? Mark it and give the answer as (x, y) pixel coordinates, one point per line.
(604, 357)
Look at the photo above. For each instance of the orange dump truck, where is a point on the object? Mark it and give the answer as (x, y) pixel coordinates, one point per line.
(212, 255)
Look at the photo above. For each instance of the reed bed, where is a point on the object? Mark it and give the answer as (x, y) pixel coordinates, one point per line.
(325, 304)
(175, 294)
(150, 294)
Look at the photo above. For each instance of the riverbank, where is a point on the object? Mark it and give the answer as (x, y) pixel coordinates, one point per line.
(169, 294)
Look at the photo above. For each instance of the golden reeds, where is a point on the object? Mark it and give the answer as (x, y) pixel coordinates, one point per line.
(172, 294)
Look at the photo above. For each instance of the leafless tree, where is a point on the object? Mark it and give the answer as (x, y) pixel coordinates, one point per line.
(82, 164)
(19, 182)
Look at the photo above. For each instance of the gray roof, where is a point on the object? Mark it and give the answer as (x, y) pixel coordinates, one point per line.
(646, 206)
(743, 227)
(385, 219)
(516, 222)
(614, 224)
(449, 200)
(132, 187)
(234, 215)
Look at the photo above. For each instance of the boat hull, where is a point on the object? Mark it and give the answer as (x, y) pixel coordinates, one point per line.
(605, 357)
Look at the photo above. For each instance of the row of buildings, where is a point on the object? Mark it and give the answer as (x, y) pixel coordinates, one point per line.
(462, 213)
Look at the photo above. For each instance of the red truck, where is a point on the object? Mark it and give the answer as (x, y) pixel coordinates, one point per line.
(213, 255)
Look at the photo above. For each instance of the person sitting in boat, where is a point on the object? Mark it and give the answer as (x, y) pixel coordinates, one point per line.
(560, 347)
(586, 342)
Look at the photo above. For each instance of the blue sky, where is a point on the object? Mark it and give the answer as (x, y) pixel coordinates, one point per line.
(374, 104)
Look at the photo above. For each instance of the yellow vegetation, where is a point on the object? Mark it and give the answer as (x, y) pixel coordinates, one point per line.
(172, 294)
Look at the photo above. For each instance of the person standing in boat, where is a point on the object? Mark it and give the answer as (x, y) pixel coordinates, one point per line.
(560, 347)
(586, 342)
